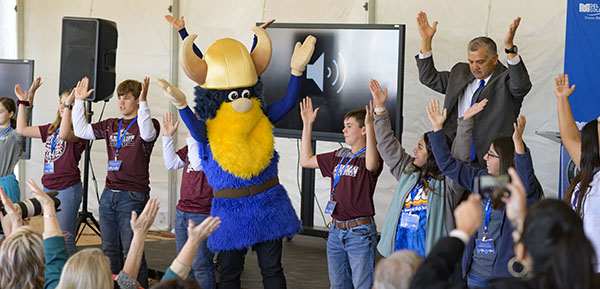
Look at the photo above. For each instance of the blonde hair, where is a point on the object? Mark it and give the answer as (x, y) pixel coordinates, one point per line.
(397, 270)
(88, 268)
(56, 123)
(22, 260)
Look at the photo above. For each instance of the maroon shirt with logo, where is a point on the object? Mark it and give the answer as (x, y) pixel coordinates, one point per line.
(66, 156)
(354, 192)
(196, 194)
(134, 154)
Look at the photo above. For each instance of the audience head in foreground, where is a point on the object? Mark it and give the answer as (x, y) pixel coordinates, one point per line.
(397, 270)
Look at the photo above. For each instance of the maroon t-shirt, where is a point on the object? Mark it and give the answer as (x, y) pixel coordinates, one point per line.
(134, 154)
(196, 194)
(66, 156)
(354, 192)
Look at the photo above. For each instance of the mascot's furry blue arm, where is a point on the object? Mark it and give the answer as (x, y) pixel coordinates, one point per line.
(236, 139)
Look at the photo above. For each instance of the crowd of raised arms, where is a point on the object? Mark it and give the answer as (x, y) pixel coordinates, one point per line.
(442, 228)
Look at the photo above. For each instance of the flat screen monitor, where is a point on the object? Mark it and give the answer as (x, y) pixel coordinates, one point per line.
(337, 77)
(12, 72)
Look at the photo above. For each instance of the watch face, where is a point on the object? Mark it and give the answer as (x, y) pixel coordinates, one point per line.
(572, 171)
(513, 49)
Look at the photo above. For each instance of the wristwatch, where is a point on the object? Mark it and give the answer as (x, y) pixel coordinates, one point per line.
(513, 49)
(68, 106)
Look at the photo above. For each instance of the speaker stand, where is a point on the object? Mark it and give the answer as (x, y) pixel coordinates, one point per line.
(85, 217)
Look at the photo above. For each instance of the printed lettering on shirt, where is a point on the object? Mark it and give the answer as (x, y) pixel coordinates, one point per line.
(128, 140)
(59, 149)
(350, 171)
(418, 203)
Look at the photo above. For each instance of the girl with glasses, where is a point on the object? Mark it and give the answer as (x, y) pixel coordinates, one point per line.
(488, 251)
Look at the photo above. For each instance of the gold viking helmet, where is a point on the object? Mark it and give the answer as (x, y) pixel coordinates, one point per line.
(226, 63)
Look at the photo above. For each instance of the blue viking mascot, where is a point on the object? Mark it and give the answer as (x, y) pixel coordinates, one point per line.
(234, 128)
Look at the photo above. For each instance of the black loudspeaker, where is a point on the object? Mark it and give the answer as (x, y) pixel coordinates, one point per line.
(89, 48)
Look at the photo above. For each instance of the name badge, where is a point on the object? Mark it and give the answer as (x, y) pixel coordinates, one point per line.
(409, 221)
(48, 168)
(330, 207)
(114, 166)
(485, 246)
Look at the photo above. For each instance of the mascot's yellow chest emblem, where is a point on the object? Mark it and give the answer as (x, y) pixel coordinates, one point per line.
(242, 143)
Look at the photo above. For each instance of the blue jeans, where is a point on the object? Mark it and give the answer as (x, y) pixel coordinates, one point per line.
(115, 214)
(203, 267)
(70, 200)
(351, 256)
(474, 281)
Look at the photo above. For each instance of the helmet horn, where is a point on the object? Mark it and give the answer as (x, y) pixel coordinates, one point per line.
(193, 66)
(261, 55)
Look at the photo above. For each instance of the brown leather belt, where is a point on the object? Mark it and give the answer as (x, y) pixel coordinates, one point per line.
(351, 224)
(235, 193)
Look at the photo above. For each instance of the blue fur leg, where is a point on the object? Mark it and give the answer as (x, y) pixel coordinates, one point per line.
(254, 219)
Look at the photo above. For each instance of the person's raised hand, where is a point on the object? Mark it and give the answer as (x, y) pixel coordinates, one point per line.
(81, 90)
(369, 115)
(201, 232)
(28, 95)
(467, 215)
(33, 88)
(519, 127)
(561, 86)
(306, 111)
(425, 30)
(177, 23)
(267, 24)
(516, 202)
(42, 197)
(12, 220)
(71, 98)
(21, 95)
(142, 223)
(169, 126)
(144, 92)
(510, 35)
(475, 109)
(379, 95)
(436, 118)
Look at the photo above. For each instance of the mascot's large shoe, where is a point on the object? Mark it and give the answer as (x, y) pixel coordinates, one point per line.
(236, 139)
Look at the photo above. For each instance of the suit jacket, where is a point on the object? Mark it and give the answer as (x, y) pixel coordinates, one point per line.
(505, 92)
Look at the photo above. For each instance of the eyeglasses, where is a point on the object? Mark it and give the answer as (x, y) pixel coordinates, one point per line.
(490, 154)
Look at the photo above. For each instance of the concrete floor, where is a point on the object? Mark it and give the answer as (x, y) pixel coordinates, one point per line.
(304, 258)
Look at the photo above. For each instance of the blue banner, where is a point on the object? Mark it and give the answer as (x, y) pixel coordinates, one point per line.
(582, 57)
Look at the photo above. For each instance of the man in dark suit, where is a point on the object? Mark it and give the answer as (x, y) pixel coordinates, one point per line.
(468, 83)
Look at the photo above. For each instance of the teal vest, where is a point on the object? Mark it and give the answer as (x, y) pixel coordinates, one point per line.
(436, 226)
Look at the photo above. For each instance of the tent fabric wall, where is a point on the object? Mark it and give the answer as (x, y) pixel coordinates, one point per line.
(8, 29)
(144, 49)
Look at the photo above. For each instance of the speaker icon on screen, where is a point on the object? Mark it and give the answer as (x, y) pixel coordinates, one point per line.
(336, 76)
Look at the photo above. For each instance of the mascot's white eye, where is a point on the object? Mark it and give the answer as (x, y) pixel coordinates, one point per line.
(246, 93)
(233, 96)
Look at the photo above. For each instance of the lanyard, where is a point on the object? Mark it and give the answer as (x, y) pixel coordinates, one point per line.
(120, 138)
(338, 173)
(55, 139)
(413, 194)
(488, 214)
(5, 131)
